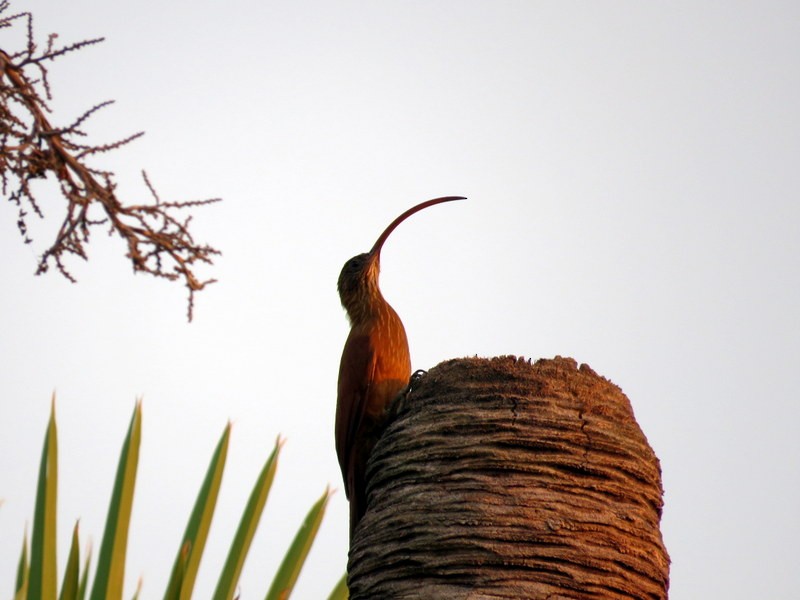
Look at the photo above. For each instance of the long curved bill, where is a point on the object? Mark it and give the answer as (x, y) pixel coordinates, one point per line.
(376, 249)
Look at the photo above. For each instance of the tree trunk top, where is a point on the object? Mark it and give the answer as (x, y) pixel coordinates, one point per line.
(502, 478)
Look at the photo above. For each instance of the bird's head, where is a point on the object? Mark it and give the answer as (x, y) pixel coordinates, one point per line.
(358, 285)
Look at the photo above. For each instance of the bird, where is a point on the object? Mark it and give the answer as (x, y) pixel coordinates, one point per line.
(375, 365)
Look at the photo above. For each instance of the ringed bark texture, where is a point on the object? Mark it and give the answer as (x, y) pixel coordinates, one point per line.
(497, 478)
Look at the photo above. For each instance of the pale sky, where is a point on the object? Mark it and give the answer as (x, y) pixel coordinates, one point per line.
(633, 174)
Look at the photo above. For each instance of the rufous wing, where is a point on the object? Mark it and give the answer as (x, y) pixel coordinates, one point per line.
(356, 371)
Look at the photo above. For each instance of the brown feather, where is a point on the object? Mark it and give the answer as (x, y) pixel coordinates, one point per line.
(374, 369)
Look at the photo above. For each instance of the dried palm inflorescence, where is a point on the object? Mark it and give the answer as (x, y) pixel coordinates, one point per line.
(158, 241)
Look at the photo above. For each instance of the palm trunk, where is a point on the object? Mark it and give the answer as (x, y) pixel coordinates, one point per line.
(498, 478)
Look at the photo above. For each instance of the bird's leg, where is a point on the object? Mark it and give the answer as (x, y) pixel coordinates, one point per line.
(416, 377)
(398, 403)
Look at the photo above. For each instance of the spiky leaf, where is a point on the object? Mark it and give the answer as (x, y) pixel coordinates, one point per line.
(340, 592)
(111, 560)
(69, 587)
(247, 528)
(42, 574)
(85, 576)
(184, 570)
(21, 587)
(285, 578)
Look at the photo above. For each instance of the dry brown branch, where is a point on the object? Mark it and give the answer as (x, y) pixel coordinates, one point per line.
(158, 240)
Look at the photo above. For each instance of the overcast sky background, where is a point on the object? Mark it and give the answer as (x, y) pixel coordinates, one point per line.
(633, 174)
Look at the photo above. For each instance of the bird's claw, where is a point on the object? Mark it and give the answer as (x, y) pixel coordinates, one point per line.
(400, 400)
(416, 376)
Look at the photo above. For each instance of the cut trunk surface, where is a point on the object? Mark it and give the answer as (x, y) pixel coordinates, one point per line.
(497, 478)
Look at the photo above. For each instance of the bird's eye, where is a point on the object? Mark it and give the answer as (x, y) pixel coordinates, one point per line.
(355, 264)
